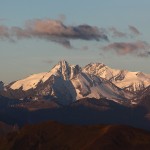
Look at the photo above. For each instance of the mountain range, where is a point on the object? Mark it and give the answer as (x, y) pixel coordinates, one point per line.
(68, 83)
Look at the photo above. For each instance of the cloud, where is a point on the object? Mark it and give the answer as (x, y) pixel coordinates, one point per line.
(4, 32)
(139, 48)
(64, 42)
(19, 33)
(134, 30)
(117, 33)
(55, 31)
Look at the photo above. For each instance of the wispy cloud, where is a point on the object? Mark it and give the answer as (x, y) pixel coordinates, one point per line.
(139, 48)
(134, 30)
(116, 33)
(53, 30)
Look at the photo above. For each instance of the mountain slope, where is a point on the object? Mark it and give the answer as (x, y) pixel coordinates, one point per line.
(5, 129)
(53, 135)
(85, 111)
(131, 81)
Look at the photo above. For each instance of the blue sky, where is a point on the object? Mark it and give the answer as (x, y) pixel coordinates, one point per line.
(23, 56)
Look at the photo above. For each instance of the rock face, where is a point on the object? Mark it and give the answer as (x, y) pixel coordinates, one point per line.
(130, 81)
(67, 83)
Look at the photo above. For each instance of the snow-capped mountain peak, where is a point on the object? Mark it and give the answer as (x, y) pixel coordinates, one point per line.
(131, 81)
(101, 70)
(62, 69)
(68, 71)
